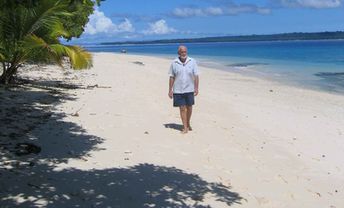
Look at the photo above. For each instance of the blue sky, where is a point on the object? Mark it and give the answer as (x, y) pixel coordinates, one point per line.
(152, 19)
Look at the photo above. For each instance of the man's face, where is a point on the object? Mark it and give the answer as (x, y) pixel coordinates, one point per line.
(183, 52)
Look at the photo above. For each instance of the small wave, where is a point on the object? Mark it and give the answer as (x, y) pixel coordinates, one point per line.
(334, 78)
(246, 64)
(329, 74)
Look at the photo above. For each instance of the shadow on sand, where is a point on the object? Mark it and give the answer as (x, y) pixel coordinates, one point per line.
(32, 181)
(174, 126)
(143, 185)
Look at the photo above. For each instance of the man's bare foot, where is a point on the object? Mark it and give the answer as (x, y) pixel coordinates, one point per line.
(184, 131)
(190, 129)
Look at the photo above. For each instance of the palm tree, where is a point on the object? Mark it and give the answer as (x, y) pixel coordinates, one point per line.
(31, 33)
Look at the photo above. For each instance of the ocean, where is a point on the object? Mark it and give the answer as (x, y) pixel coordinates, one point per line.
(317, 65)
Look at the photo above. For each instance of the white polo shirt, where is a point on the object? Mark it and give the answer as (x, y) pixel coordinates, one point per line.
(184, 75)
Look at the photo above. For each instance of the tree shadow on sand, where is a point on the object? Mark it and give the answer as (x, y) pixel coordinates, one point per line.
(143, 185)
(27, 115)
(32, 180)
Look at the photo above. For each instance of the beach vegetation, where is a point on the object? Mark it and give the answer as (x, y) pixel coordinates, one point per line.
(31, 32)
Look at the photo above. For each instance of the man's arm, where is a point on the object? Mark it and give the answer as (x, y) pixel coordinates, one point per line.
(196, 84)
(170, 87)
(196, 78)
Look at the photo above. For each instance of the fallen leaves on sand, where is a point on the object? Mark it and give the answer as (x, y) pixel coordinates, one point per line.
(83, 158)
(96, 86)
(76, 114)
(139, 63)
(283, 179)
(33, 185)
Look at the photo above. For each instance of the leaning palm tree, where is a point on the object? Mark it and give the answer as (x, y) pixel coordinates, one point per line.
(31, 34)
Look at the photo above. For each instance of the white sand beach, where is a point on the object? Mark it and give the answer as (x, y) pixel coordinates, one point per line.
(114, 141)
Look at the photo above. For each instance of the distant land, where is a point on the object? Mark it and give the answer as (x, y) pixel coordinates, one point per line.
(245, 38)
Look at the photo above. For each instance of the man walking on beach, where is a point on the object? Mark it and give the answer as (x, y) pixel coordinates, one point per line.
(183, 85)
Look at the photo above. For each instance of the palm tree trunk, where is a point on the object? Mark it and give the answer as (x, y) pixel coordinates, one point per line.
(3, 68)
(7, 74)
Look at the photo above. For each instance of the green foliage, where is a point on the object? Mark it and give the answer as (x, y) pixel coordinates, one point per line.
(80, 10)
(75, 23)
(30, 31)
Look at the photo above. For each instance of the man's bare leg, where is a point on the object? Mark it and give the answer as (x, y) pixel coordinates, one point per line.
(189, 113)
(183, 115)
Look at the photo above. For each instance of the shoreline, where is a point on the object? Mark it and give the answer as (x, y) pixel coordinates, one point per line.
(254, 72)
(292, 63)
(255, 143)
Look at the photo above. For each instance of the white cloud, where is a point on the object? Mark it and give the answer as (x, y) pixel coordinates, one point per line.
(263, 10)
(125, 26)
(159, 27)
(317, 4)
(214, 11)
(188, 12)
(230, 9)
(99, 23)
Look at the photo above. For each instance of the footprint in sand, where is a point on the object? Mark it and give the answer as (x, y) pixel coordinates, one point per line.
(262, 200)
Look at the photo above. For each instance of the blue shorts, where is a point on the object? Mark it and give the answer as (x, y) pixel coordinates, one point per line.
(186, 99)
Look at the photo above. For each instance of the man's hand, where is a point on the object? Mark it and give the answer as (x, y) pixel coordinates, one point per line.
(170, 94)
(196, 92)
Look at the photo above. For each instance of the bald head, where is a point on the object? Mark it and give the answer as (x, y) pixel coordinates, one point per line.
(182, 48)
(182, 51)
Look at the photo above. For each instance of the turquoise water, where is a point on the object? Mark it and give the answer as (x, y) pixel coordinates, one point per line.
(313, 64)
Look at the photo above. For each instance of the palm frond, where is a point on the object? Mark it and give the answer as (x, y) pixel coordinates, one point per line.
(46, 15)
(38, 48)
(2, 57)
(79, 57)
(31, 35)
(2, 54)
